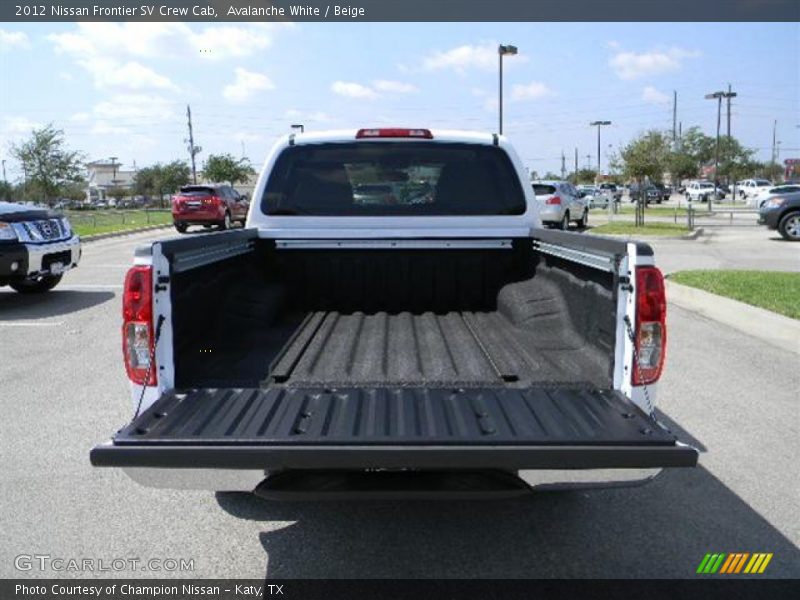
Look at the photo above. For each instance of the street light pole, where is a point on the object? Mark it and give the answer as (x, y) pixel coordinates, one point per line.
(503, 50)
(599, 124)
(718, 96)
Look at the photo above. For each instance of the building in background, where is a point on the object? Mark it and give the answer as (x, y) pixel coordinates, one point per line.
(105, 175)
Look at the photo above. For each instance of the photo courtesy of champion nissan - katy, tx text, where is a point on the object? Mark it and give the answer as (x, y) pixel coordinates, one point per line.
(393, 315)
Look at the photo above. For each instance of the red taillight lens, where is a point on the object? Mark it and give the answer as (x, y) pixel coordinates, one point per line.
(394, 132)
(651, 325)
(137, 325)
(553, 200)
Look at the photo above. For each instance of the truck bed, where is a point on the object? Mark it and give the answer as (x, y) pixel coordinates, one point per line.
(457, 348)
(392, 427)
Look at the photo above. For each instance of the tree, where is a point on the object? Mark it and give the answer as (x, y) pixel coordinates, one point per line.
(682, 166)
(6, 190)
(584, 176)
(225, 168)
(48, 165)
(161, 179)
(144, 183)
(698, 146)
(646, 156)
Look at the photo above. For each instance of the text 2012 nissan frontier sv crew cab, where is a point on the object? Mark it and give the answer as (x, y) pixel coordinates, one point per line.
(430, 337)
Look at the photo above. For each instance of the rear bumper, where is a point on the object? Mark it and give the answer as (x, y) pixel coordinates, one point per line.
(551, 213)
(247, 480)
(198, 216)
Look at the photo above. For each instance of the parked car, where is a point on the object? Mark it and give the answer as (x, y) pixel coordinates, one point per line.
(560, 203)
(699, 191)
(657, 193)
(593, 196)
(208, 205)
(612, 190)
(758, 200)
(752, 187)
(37, 246)
(333, 347)
(782, 212)
(664, 192)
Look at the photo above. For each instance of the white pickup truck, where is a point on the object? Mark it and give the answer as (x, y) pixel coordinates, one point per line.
(434, 338)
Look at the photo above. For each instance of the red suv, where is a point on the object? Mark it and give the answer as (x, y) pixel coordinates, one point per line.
(207, 205)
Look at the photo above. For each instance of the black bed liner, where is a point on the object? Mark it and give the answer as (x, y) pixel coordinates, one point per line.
(394, 427)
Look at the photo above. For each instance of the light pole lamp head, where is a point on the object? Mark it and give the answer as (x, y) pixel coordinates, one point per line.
(506, 49)
(715, 95)
(299, 126)
(595, 123)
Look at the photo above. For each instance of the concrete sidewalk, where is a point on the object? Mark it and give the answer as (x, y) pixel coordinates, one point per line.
(766, 325)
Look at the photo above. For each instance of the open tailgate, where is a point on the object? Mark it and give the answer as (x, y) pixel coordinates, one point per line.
(419, 428)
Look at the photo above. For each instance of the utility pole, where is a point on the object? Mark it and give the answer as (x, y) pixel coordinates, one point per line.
(774, 145)
(4, 170)
(718, 96)
(674, 117)
(576, 165)
(728, 97)
(563, 165)
(193, 150)
(588, 161)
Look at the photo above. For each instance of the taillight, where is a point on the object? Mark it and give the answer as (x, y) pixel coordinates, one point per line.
(137, 325)
(651, 325)
(394, 132)
(553, 200)
(210, 200)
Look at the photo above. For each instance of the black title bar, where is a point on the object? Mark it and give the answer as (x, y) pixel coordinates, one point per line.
(400, 10)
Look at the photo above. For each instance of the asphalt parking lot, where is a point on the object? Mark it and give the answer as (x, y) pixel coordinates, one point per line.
(64, 390)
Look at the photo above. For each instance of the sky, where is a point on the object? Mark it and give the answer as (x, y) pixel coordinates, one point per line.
(121, 89)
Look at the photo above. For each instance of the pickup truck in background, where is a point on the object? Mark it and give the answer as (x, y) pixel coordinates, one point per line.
(347, 342)
(37, 246)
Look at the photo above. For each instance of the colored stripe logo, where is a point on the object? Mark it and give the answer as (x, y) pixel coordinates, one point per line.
(734, 563)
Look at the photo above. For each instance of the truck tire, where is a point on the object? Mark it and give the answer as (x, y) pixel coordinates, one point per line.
(181, 227)
(584, 219)
(45, 283)
(789, 227)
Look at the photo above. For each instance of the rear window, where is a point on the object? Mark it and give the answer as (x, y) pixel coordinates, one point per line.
(763, 182)
(393, 178)
(197, 190)
(541, 189)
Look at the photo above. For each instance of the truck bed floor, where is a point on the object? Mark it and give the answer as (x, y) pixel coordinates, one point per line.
(452, 349)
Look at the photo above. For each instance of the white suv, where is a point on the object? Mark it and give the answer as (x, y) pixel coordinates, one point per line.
(749, 188)
(699, 191)
(559, 203)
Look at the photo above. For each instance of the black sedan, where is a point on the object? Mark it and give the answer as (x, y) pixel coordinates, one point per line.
(782, 213)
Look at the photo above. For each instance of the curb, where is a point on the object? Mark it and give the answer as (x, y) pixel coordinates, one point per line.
(763, 324)
(650, 238)
(692, 236)
(113, 234)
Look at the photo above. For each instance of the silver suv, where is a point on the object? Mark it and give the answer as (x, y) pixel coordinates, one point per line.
(559, 203)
